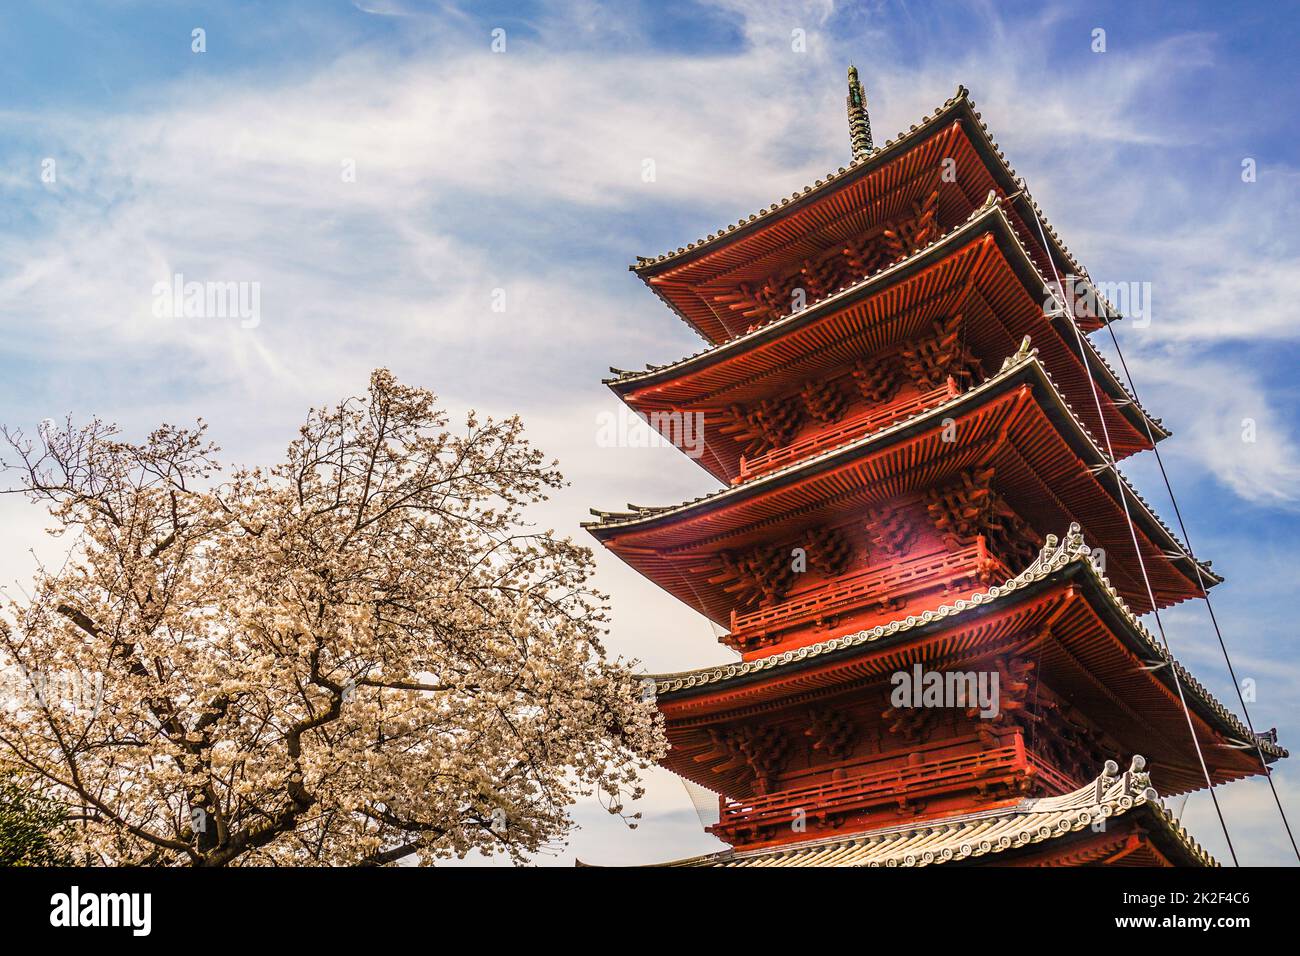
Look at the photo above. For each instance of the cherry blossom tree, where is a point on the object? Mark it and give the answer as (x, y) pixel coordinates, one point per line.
(359, 655)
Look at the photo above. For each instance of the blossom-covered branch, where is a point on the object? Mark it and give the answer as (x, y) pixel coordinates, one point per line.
(356, 655)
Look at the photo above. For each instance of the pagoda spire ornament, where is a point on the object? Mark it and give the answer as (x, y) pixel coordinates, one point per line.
(859, 121)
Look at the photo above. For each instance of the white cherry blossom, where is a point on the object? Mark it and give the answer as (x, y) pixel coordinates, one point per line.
(358, 655)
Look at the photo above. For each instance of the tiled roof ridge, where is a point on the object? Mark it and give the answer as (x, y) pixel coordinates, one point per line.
(1009, 365)
(1055, 555)
(961, 95)
(991, 203)
(825, 182)
(1112, 794)
(737, 340)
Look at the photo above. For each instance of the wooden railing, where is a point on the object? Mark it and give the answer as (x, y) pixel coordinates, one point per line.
(1053, 780)
(874, 788)
(941, 568)
(856, 427)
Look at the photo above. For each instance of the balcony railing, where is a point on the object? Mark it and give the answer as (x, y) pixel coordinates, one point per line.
(1052, 780)
(876, 788)
(847, 431)
(896, 580)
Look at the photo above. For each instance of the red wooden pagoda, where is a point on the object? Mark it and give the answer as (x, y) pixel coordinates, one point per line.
(901, 425)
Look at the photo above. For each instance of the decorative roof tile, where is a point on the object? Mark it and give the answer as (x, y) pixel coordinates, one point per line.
(991, 207)
(878, 156)
(1054, 557)
(1101, 460)
(970, 836)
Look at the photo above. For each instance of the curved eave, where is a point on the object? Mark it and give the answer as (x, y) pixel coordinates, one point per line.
(1067, 561)
(1018, 370)
(989, 220)
(958, 107)
(1127, 803)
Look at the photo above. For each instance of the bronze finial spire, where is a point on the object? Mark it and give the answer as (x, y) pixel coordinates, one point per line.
(859, 121)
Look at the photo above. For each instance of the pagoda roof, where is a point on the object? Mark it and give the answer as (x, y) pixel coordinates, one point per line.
(1064, 562)
(1037, 823)
(651, 539)
(944, 272)
(953, 128)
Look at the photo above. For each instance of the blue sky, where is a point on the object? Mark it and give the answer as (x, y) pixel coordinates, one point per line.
(521, 171)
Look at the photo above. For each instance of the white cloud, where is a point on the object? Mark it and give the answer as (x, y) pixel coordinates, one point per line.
(1237, 431)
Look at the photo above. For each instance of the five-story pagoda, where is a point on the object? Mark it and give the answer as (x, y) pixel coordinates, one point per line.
(917, 445)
